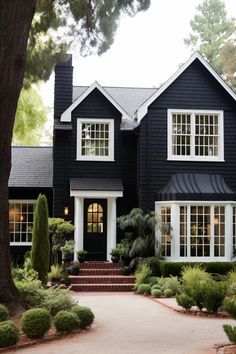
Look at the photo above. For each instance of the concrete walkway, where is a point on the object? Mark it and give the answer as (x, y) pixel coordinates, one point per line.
(132, 324)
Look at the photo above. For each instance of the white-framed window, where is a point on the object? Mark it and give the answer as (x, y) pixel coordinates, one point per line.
(21, 214)
(195, 135)
(165, 212)
(95, 139)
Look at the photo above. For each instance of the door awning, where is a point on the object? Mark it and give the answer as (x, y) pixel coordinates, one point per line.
(195, 186)
(96, 187)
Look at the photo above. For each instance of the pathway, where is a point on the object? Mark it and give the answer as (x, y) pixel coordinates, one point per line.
(132, 324)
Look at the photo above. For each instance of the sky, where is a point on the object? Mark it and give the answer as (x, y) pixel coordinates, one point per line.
(147, 49)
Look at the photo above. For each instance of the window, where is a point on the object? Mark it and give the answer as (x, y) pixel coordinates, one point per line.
(200, 231)
(95, 139)
(195, 135)
(183, 231)
(165, 231)
(21, 221)
(95, 218)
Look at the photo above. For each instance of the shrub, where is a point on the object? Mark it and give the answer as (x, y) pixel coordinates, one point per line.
(55, 272)
(25, 273)
(152, 281)
(144, 289)
(156, 292)
(214, 294)
(4, 314)
(36, 322)
(9, 334)
(66, 321)
(30, 291)
(55, 300)
(184, 301)
(142, 275)
(85, 315)
(168, 293)
(173, 284)
(196, 291)
(229, 306)
(230, 332)
(154, 264)
(194, 274)
(40, 240)
(156, 287)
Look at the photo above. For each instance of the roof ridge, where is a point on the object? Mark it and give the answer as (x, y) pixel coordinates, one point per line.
(123, 87)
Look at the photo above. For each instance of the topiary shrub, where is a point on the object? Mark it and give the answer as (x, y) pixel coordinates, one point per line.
(184, 301)
(9, 334)
(214, 294)
(168, 293)
(229, 305)
(85, 315)
(66, 322)
(156, 286)
(4, 314)
(144, 289)
(156, 292)
(230, 332)
(36, 322)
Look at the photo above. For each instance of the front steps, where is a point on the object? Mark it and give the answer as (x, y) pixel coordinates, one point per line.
(101, 276)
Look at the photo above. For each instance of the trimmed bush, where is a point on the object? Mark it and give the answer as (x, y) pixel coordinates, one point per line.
(230, 332)
(154, 264)
(4, 314)
(168, 293)
(66, 322)
(229, 306)
(144, 289)
(184, 301)
(156, 287)
(196, 291)
(9, 334)
(156, 292)
(214, 295)
(84, 314)
(40, 239)
(36, 322)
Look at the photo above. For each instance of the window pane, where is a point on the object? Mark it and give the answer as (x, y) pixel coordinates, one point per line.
(21, 221)
(165, 231)
(94, 138)
(95, 218)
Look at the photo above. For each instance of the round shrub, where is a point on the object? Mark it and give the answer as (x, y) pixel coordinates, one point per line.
(168, 293)
(214, 296)
(9, 334)
(157, 287)
(184, 301)
(84, 314)
(156, 292)
(36, 322)
(144, 289)
(4, 314)
(66, 321)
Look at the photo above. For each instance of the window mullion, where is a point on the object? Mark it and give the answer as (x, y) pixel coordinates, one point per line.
(192, 135)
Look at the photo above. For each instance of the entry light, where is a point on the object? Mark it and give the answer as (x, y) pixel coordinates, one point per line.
(66, 210)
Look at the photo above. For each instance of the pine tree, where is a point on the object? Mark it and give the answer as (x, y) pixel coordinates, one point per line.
(40, 240)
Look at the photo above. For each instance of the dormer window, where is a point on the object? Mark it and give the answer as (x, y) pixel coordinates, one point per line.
(95, 139)
(195, 135)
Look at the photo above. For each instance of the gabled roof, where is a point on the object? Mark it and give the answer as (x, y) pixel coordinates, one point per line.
(66, 116)
(32, 167)
(142, 110)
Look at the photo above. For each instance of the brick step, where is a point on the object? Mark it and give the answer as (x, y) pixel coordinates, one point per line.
(101, 271)
(102, 279)
(99, 265)
(102, 287)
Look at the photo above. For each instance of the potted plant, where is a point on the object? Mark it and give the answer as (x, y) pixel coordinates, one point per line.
(65, 277)
(74, 268)
(82, 255)
(55, 274)
(116, 253)
(67, 251)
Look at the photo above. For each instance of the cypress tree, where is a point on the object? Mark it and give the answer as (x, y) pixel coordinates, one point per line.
(40, 241)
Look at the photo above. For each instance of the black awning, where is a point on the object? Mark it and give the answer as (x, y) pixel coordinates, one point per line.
(96, 184)
(191, 186)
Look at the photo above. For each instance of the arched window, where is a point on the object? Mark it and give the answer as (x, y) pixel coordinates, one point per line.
(95, 218)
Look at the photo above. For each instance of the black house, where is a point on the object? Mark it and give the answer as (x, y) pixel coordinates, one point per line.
(170, 149)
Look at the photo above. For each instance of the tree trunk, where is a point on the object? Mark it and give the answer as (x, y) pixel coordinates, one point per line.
(15, 21)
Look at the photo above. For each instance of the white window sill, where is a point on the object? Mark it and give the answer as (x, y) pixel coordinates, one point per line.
(92, 159)
(194, 159)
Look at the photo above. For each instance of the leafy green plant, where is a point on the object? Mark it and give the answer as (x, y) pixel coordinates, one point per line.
(9, 334)
(25, 273)
(36, 322)
(156, 286)
(168, 293)
(154, 264)
(66, 322)
(194, 274)
(55, 272)
(31, 292)
(230, 332)
(214, 294)
(55, 300)
(196, 291)
(173, 284)
(229, 305)
(67, 248)
(152, 280)
(4, 314)
(144, 289)
(85, 315)
(184, 301)
(40, 240)
(82, 253)
(142, 275)
(156, 292)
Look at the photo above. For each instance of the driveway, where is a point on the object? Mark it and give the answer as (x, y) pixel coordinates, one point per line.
(132, 324)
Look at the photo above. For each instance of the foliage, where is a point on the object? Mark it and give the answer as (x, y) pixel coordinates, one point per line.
(173, 284)
(230, 332)
(55, 300)
(31, 292)
(196, 291)
(117, 251)
(9, 334)
(82, 253)
(168, 293)
(67, 248)
(184, 301)
(154, 264)
(26, 273)
(40, 240)
(84, 314)
(156, 292)
(229, 306)
(55, 272)
(192, 275)
(157, 287)
(36, 322)
(4, 314)
(214, 294)
(144, 289)
(66, 321)
(152, 280)
(231, 283)
(214, 36)
(142, 275)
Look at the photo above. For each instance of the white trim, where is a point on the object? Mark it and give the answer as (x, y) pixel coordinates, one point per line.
(96, 194)
(142, 110)
(110, 157)
(20, 243)
(79, 225)
(33, 201)
(111, 225)
(192, 156)
(66, 115)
